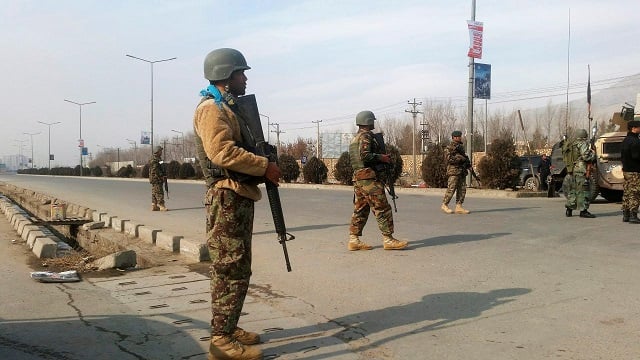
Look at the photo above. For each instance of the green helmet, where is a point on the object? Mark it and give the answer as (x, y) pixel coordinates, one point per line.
(220, 63)
(582, 134)
(365, 117)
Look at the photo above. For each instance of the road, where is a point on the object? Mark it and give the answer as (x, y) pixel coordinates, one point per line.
(514, 279)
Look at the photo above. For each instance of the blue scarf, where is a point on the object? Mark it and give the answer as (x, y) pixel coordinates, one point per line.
(212, 91)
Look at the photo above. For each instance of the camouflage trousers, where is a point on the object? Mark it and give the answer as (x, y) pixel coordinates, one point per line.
(369, 196)
(455, 184)
(631, 195)
(157, 194)
(229, 230)
(577, 193)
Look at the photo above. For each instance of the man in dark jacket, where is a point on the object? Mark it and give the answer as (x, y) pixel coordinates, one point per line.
(544, 170)
(631, 170)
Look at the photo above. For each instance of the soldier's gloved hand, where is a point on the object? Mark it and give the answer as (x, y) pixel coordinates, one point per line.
(385, 158)
(273, 173)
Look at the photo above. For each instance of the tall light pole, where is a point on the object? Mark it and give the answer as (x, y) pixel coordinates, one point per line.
(135, 152)
(49, 125)
(268, 120)
(151, 62)
(19, 152)
(31, 135)
(81, 142)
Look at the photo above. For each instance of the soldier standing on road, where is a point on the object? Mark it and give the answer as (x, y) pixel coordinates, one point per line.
(457, 165)
(631, 170)
(157, 177)
(544, 170)
(232, 174)
(578, 154)
(369, 195)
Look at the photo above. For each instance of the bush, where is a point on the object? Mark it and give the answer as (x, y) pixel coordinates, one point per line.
(96, 171)
(315, 171)
(125, 172)
(343, 172)
(172, 169)
(198, 170)
(434, 167)
(288, 167)
(145, 171)
(500, 169)
(186, 171)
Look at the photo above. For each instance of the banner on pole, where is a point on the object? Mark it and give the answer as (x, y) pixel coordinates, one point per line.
(475, 39)
(145, 138)
(482, 81)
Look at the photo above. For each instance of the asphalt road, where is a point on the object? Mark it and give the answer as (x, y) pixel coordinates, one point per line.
(515, 279)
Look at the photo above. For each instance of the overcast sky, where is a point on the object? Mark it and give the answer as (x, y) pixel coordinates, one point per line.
(311, 60)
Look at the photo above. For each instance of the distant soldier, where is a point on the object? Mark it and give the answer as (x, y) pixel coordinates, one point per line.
(631, 170)
(577, 154)
(457, 169)
(369, 195)
(157, 177)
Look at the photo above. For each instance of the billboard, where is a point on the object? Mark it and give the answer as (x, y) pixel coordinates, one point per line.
(475, 39)
(482, 81)
(145, 138)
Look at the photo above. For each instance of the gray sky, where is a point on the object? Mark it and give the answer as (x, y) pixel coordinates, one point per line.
(311, 60)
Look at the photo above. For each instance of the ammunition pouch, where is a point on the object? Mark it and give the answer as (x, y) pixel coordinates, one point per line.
(217, 173)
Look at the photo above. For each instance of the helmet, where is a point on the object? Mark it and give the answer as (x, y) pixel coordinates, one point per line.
(582, 134)
(220, 63)
(456, 133)
(157, 149)
(365, 117)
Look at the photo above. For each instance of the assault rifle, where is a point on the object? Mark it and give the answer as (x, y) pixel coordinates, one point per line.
(251, 129)
(386, 169)
(467, 164)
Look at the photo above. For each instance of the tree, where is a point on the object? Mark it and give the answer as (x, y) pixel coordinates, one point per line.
(500, 169)
(288, 167)
(434, 167)
(315, 171)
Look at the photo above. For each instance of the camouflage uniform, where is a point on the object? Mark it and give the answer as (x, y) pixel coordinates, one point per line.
(457, 173)
(156, 178)
(368, 190)
(630, 152)
(576, 185)
(230, 207)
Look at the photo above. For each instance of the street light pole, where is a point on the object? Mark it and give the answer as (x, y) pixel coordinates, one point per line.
(151, 62)
(80, 139)
(49, 125)
(182, 136)
(135, 152)
(31, 135)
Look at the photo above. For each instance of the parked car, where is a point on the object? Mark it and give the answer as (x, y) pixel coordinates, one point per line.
(528, 180)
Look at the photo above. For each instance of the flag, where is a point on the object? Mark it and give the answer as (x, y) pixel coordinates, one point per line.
(589, 90)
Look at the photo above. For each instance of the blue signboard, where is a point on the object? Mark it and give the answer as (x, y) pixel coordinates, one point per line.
(482, 81)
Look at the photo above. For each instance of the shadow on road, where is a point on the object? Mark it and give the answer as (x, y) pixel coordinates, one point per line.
(453, 239)
(506, 209)
(433, 312)
(303, 228)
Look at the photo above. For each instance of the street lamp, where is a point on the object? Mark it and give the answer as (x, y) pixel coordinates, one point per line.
(182, 136)
(267, 125)
(19, 152)
(31, 135)
(151, 62)
(49, 125)
(81, 144)
(135, 151)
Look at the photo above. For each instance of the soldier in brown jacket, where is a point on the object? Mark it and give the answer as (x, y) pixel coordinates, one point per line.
(232, 173)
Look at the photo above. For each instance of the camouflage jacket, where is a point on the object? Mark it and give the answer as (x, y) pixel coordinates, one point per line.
(457, 162)
(586, 155)
(156, 171)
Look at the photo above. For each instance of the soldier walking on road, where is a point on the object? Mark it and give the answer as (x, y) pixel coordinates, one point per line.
(369, 194)
(457, 169)
(577, 155)
(157, 177)
(631, 170)
(232, 174)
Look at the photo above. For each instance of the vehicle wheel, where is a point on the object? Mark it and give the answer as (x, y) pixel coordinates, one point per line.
(532, 184)
(611, 195)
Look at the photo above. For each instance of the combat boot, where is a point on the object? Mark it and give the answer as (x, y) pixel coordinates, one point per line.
(356, 244)
(246, 337)
(225, 347)
(586, 214)
(461, 210)
(154, 207)
(446, 209)
(633, 218)
(163, 208)
(389, 243)
(625, 215)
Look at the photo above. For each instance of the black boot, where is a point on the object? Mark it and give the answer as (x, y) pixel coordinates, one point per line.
(586, 214)
(568, 212)
(625, 215)
(633, 218)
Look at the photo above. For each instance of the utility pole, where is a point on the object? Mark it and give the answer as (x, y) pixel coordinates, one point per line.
(414, 112)
(317, 122)
(469, 133)
(278, 132)
(31, 135)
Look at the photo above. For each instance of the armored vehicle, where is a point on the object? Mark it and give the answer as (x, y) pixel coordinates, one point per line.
(606, 175)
